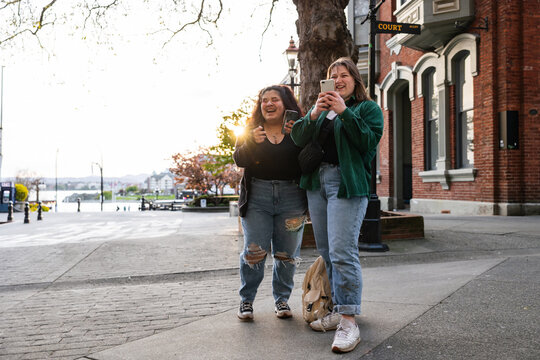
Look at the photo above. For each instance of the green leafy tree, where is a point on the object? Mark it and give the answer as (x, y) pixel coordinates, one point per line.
(107, 195)
(222, 166)
(232, 126)
(21, 192)
(132, 189)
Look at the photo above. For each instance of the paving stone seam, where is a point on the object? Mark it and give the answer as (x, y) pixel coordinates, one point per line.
(367, 262)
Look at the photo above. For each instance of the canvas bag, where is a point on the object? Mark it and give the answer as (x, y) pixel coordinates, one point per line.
(316, 292)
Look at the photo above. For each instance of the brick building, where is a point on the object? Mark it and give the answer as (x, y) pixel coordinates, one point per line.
(460, 104)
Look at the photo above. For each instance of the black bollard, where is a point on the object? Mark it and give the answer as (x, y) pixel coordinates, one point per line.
(39, 211)
(142, 203)
(26, 211)
(10, 212)
(78, 204)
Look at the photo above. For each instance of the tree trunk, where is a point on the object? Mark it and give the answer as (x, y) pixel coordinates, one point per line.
(324, 37)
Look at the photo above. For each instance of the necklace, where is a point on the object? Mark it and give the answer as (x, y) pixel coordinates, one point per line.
(274, 138)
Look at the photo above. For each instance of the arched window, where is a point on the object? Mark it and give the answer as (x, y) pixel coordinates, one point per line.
(431, 111)
(464, 110)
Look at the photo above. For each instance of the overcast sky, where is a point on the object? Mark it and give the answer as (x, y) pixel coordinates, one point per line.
(129, 102)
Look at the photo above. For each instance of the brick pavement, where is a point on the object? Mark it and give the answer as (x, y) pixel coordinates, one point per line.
(68, 323)
(65, 298)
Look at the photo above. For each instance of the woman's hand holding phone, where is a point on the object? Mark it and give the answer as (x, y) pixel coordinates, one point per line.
(328, 99)
(289, 118)
(335, 102)
(320, 106)
(287, 127)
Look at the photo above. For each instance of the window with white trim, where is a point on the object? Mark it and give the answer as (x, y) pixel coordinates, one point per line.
(464, 111)
(361, 31)
(431, 111)
(400, 3)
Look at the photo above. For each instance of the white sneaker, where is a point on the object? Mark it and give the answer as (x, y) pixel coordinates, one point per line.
(245, 313)
(283, 311)
(329, 322)
(346, 338)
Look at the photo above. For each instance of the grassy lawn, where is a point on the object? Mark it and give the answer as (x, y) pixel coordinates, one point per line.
(148, 197)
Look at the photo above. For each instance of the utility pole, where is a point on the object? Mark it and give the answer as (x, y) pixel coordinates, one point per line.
(56, 182)
(101, 171)
(371, 229)
(1, 114)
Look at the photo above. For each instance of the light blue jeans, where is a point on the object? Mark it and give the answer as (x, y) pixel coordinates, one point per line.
(274, 223)
(336, 225)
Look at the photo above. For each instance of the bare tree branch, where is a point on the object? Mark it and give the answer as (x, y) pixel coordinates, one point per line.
(219, 13)
(267, 26)
(8, 3)
(200, 20)
(100, 11)
(38, 27)
(45, 8)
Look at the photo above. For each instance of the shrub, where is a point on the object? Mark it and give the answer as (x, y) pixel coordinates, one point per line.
(21, 192)
(212, 200)
(34, 207)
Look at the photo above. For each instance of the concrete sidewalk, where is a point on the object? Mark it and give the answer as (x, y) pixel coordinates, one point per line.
(406, 308)
(480, 309)
(163, 285)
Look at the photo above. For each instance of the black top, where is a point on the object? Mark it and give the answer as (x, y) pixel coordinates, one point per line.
(329, 146)
(276, 161)
(261, 160)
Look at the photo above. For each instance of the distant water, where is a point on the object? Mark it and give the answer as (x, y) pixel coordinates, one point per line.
(86, 206)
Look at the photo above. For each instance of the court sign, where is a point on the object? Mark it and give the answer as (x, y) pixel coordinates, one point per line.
(386, 27)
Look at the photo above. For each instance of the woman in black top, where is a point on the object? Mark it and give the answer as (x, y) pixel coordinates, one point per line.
(272, 206)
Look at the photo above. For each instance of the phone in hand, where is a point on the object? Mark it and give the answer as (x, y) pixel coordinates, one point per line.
(288, 116)
(328, 85)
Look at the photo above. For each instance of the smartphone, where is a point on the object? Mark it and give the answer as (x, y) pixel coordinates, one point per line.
(327, 85)
(288, 116)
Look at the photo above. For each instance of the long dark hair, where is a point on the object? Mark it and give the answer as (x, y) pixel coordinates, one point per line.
(360, 92)
(287, 97)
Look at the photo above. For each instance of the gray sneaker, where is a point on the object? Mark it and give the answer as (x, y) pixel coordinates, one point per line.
(245, 313)
(283, 311)
(346, 338)
(329, 322)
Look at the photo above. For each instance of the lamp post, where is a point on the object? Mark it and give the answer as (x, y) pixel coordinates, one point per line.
(101, 171)
(56, 183)
(371, 230)
(292, 52)
(1, 111)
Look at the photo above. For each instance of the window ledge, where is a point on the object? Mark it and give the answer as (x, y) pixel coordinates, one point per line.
(465, 174)
(447, 176)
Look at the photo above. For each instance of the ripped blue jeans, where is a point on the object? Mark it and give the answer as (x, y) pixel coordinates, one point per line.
(274, 223)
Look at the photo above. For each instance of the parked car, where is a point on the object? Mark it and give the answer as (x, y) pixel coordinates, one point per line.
(188, 195)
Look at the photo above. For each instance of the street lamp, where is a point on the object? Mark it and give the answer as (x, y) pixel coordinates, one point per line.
(371, 237)
(292, 52)
(56, 182)
(101, 171)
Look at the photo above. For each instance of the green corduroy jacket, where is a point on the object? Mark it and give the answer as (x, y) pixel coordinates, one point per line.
(357, 132)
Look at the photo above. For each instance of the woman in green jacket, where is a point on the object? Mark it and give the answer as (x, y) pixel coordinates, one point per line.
(338, 190)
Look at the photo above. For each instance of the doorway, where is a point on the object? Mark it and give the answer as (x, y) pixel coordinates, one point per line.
(402, 146)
